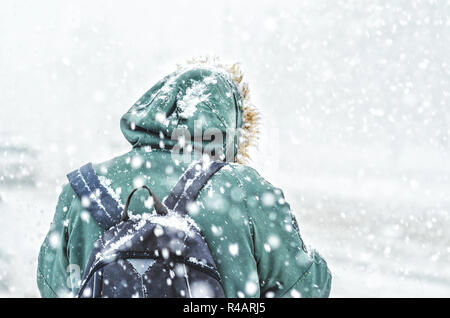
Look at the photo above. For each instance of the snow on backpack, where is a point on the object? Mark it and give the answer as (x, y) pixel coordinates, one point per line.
(148, 255)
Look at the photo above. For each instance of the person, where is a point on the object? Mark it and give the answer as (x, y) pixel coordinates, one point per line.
(249, 227)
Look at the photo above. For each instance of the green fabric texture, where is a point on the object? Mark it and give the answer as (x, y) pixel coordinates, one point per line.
(198, 99)
(245, 220)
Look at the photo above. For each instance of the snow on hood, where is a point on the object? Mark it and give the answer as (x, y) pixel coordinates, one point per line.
(202, 94)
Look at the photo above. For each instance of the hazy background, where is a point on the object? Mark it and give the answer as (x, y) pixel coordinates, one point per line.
(354, 97)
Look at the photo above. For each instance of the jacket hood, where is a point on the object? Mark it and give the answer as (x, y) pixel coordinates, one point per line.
(199, 98)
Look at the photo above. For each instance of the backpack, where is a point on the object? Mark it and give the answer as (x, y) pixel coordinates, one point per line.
(148, 255)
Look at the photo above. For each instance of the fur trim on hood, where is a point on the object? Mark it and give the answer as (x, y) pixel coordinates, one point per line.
(250, 116)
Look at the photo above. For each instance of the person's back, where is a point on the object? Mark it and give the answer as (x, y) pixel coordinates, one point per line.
(248, 226)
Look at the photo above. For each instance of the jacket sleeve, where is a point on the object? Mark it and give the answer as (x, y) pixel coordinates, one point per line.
(53, 264)
(286, 268)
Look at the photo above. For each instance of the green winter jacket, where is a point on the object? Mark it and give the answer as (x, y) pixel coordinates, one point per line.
(249, 228)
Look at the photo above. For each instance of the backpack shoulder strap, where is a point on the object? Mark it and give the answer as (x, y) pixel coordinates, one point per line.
(191, 182)
(102, 206)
